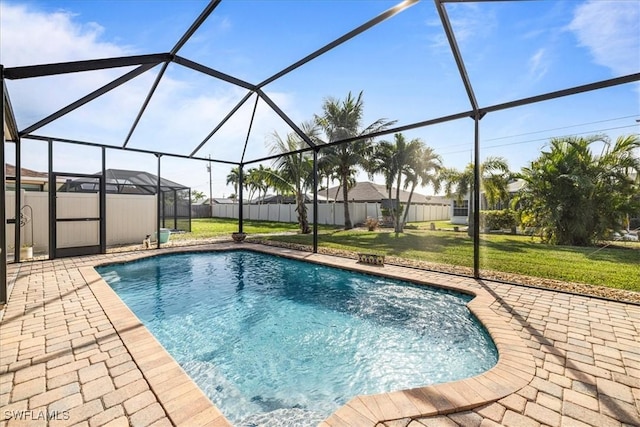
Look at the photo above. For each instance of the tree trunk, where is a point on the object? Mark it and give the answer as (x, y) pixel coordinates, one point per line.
(345, 195)
(406, 210)
(470, 217)
(398, 227)
(301, 208)
(328, 189)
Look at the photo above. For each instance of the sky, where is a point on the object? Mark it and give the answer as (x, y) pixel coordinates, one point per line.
(403, 66)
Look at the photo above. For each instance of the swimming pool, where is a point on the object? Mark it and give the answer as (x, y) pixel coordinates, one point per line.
(274, 341)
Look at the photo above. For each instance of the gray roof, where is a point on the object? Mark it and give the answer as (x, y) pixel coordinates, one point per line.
(374, 193)
(221, 201)
(515, 186)
(289, 199)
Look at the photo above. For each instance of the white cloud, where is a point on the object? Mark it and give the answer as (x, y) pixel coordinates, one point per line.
(29, 37)
(610, 31)
(33, 37)
(538, 64)
(184, 109)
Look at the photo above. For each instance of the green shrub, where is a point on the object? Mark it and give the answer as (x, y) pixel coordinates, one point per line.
(498, 220)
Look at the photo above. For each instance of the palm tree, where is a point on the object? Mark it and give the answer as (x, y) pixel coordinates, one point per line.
(494, 177)
(341, 120)
(411, 160)
(325, 171)
(382, 162)
(234, 179)
(293, 173)
(196, 196)
(255, 182)
(251, 183)
(424, 169)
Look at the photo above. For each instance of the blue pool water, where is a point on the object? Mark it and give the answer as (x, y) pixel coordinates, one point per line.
(274, 341)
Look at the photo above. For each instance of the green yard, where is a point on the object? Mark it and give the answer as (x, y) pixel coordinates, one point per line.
(203, 228)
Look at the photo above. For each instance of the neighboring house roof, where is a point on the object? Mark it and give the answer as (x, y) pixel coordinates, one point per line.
(290, 199)
(515, 186)
(221, 201)
(374, 193)
(10, 170)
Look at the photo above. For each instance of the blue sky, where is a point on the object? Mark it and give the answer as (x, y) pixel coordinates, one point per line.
(404, 66)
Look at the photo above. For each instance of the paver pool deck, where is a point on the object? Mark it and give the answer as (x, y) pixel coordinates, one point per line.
(72, 351)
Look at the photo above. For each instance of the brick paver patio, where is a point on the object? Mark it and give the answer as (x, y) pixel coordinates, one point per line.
(71, 350)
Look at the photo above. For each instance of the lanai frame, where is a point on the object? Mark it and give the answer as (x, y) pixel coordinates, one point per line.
(144, 63)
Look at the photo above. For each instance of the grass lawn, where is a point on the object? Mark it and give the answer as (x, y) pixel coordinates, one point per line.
(440, 225)
(616, 267)
(203, 228)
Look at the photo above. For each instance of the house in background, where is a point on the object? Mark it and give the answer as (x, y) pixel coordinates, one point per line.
(370, 192)
(30, 180)
(287, 200)
(221, 201)
(460, 209)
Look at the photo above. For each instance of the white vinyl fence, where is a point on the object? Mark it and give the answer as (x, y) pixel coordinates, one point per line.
(328, 213)
(130, 217)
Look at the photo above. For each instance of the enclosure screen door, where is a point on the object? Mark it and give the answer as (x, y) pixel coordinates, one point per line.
(77, 222)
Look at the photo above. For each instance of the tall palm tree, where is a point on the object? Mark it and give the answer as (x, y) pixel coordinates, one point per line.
(405, 161)
(293, 173)
(424, 169)
(234, 179)
(251, 183)
(494, 177)
(382, 162)
(325, 171)
(256, 183)
(341, 120)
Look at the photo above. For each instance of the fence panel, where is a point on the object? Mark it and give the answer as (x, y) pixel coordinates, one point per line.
(338, 214)
(39, 203)
(77, 205)
(10, 229)
(39, 221)
(200, 211)
(130, 218)
(373, 210)
(274, 213)
(264, 212)
(412, 213)
(329, 213)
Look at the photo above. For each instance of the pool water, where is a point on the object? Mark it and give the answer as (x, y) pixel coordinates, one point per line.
(273, 341)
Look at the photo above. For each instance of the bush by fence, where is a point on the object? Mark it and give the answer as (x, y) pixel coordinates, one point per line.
(498, 220)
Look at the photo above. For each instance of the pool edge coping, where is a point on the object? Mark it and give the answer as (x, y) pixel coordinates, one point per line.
(514, 370)
(177, 393)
